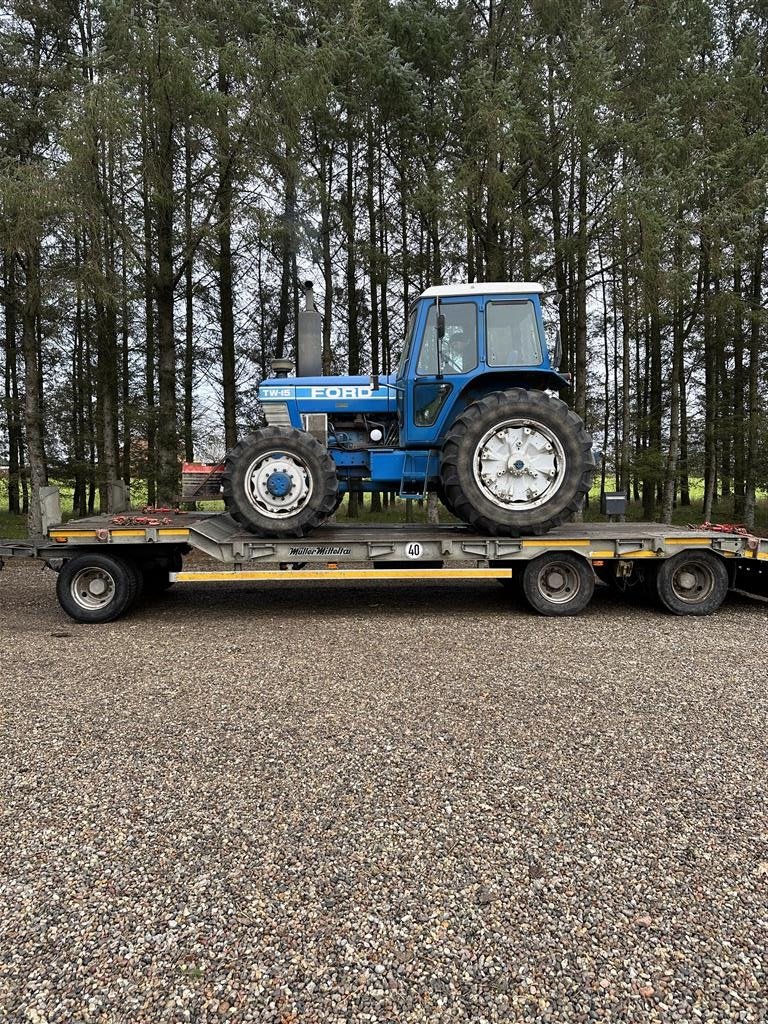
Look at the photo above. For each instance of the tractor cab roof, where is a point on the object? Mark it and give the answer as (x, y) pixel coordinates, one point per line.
(483, 288)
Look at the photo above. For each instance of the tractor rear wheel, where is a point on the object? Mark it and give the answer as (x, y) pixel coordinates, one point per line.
(516, 462)
(280, 481)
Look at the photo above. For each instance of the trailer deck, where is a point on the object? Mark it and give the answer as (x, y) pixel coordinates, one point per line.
(552, 571)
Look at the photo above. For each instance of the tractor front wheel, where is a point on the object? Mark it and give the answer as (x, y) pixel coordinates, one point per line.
(516, 462)
(280, 481)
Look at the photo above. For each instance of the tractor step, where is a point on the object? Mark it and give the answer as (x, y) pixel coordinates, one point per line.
(413, 482)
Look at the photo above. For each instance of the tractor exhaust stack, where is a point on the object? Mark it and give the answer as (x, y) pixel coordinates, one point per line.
(309, 349)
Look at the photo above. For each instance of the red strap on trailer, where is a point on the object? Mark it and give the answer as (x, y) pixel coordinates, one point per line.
(739, 529)
(140, 521)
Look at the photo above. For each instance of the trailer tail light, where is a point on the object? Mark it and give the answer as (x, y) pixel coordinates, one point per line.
(60, 540)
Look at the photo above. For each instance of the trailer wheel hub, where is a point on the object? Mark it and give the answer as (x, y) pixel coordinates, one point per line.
(93, 588)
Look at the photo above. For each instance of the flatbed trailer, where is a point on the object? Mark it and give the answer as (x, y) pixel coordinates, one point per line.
(106, 563)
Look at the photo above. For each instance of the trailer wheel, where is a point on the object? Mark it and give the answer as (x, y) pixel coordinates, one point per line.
(692, 583)
(514, 583)
(97, 587)
(155, 573)
(280, 481)
(558, 583)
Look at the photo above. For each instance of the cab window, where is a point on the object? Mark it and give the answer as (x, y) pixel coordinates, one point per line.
(458, 350)
(408, 342)
(512, 336)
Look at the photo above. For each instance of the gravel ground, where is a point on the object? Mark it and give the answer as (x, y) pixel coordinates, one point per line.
(407, 803)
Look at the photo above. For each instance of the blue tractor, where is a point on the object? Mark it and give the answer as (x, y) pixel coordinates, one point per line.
(469, 413)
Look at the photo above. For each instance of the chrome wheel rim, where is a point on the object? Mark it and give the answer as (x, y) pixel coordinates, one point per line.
(558, 582)
(692, 582)
(519, 464)
(92, 589)
(278, 485)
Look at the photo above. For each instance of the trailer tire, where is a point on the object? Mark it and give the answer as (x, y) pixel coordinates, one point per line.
(555, 453)
(512, 584)
(155, 573)
(692, 583)
(97, 587)
(558, 583)
(280, 481)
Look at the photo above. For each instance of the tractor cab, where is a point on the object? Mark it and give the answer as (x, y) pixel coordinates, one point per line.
(463, 342)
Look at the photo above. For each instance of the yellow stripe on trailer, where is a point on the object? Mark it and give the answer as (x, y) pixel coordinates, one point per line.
(286, 575)
(127, 533)
(689, 542)
(66, 534)
(164, 532)
(544, 543)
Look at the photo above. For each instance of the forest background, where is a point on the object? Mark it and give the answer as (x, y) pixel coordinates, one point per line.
(171, 171)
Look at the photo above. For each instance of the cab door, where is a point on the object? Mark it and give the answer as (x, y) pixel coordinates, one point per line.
(437, 371)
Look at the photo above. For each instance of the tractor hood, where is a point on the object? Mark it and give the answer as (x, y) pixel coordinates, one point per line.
(331, 395)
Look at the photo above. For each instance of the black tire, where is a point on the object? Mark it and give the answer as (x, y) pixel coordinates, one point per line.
(692, 583)
(156, 571)
(472, 501)
(444, 501)
(514, 583)
(558, 583)
(81, 579)
(306, 465)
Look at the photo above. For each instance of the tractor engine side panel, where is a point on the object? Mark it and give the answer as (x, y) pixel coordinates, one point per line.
(337, 397)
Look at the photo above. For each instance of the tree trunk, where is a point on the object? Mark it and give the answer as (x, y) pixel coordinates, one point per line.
(353, 328)
(753, 421)
(33, 412)
(373, 258)
(738, 396)
(226, 272)
(580, 362)
(167, 434)
(11, 386)
(149, 313)
(710, 393)
(670, 469)
(287, 243)
(189, 307)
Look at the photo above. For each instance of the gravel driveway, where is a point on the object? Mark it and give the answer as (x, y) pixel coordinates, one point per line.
(405, 803)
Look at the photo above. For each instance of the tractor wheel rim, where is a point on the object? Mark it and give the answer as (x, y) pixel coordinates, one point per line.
(92, 589)
(292, 494)
(558, 582)
(692, 582)
(519, 464)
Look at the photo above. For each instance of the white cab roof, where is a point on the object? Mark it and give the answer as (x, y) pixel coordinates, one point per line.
(484, 288)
